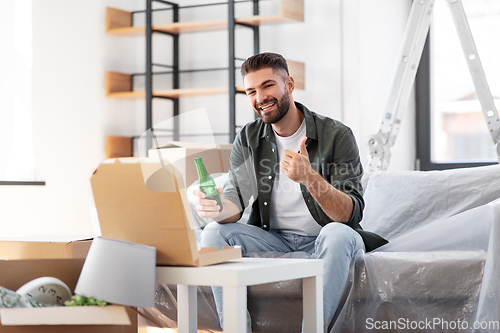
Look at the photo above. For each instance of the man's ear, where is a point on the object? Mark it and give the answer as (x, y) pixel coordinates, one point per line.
(290, 84)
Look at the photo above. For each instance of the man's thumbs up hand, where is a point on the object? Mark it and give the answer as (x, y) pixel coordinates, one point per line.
(303, 149)
(296, 165)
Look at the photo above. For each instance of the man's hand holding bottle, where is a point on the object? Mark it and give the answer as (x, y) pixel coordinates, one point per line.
(208, 207)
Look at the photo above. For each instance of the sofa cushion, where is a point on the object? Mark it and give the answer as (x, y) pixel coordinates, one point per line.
(400, 201)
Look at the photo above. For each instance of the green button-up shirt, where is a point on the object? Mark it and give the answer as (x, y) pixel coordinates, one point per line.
(333, 153)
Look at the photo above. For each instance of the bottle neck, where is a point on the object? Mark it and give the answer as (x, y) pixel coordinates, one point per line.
(202, 172)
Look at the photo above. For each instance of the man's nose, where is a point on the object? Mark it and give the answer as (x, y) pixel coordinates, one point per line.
(260, 97)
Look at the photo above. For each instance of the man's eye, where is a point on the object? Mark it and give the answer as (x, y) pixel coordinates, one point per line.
(250, 93)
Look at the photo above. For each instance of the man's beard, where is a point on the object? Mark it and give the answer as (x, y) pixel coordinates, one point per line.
(282, 107)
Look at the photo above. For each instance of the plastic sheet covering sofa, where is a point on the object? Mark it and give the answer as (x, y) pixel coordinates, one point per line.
(440, 271)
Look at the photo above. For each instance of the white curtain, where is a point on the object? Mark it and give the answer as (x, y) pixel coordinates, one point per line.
(16, 127)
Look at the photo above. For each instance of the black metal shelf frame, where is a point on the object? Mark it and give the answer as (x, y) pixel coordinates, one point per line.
(176, 72)
(232, 59)
(216, 77)
(149, 69)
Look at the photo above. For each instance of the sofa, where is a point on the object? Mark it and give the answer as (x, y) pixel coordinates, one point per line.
(439, 272)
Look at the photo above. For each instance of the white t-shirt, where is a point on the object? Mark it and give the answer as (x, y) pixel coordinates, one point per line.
(288, 210)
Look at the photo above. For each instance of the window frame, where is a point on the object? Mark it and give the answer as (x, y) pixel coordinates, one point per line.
(21, 182)
(423, 91)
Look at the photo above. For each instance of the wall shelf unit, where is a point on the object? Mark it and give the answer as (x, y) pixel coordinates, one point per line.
(174, 20)
(120, 85)
(120, 22)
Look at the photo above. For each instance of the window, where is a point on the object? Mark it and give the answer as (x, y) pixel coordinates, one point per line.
(16, 128)
(452, 131)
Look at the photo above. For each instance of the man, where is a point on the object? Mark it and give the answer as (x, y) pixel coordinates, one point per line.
(302, 171)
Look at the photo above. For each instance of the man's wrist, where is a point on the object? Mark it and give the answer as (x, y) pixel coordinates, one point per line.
(228, 212)
(312, 180)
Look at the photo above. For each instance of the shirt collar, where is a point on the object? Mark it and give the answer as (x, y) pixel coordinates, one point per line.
(311, 132)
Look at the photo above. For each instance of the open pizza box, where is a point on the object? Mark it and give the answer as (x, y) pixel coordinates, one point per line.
(143, 200)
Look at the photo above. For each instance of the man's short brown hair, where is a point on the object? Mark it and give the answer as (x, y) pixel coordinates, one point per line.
(265, 60)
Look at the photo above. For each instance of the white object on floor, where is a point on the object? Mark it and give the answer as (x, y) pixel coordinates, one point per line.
(47, 290)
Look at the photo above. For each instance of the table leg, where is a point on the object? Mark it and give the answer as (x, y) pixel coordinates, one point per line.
(234, 300)
(187, 309)
(312, 288)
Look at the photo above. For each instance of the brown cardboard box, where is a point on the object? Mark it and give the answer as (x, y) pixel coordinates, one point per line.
(44, 249)
(182, 154)
(141, 201)
(15, 273)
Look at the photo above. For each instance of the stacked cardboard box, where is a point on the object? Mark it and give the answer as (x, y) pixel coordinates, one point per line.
(15, 273)
(39, 248)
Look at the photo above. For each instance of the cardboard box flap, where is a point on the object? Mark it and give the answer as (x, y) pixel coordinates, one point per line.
(128, 210)
(158, 177)
(210, 255)
(84, 315)
(131, 193)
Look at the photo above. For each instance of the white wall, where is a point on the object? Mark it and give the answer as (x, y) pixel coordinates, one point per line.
(71, 117)
(372, 33)
(349, 47)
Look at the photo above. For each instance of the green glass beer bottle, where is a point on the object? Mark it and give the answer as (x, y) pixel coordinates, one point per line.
(207, 183)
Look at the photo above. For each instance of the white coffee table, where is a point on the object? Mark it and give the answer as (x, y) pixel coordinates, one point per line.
(234, 277)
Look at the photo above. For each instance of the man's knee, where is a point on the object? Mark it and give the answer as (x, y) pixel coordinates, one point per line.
(211, 234)
(338, 236)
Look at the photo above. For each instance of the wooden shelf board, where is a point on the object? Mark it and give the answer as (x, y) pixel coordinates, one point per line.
(118, 85)
(183, 27)
(263, 20)
(127, 31)
(173, 93)
(127, 95)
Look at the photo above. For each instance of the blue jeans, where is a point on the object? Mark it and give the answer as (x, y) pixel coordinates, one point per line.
(336, 244)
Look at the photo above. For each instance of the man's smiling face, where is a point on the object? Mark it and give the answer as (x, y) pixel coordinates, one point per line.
(268, 94)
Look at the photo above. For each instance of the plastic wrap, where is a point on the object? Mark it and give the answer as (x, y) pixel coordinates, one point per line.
(440, 271)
